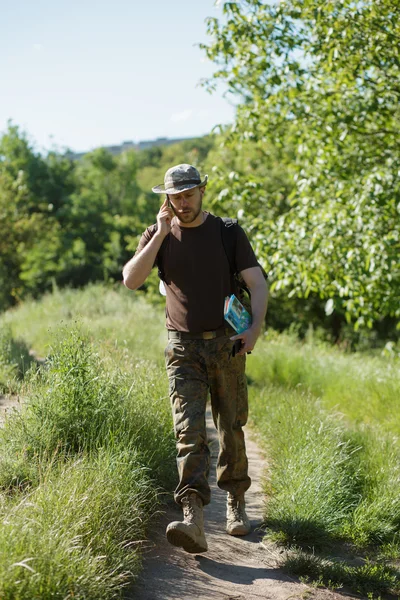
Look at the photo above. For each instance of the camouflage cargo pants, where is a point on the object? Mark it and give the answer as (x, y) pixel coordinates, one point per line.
(194, 368)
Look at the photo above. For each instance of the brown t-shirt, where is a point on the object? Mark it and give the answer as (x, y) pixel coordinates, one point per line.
(197, 273)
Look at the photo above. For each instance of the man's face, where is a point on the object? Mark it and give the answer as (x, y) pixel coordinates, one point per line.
(187, 205)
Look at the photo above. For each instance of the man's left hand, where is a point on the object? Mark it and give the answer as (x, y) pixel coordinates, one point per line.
(248, 338)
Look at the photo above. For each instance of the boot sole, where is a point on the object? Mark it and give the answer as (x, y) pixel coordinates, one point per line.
(182, 540)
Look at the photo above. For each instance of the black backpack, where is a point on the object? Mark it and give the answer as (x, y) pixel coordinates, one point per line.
(229, 229)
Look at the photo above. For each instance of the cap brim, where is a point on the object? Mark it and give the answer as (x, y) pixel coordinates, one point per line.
(160, 189)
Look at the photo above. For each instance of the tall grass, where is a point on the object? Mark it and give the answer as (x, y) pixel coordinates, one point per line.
(84, 460)
(329, 422)
(314, 483)
(363, 387)
(114, 318)
(330, 428)
(375, 521)
(77, 534)
(15, 360)
(75, 404)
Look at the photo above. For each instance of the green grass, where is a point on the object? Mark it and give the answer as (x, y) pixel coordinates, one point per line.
(75, 404)
(329, 422)
(364, 388)
(77, 533)
(314, 483)
(86, 458)
(15, 360)
(116, 319)
(369, 578)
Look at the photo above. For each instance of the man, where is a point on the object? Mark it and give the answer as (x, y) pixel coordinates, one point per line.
(186, 245)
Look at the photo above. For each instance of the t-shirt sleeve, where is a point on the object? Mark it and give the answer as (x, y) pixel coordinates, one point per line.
(146, 237)
(245, 257)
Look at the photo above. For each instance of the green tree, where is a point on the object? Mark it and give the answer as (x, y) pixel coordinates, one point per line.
(319, 80)
(30, 193)
(102, 215)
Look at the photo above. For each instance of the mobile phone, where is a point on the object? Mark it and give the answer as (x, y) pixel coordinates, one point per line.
(169, 204)
(236, 347)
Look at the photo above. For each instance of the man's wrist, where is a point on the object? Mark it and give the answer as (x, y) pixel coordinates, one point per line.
(160, 235)
(256, 328)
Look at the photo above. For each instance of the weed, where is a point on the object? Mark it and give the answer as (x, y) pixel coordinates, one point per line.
(83, 462)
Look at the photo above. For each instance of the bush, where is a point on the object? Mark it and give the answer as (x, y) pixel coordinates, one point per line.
(75, 405)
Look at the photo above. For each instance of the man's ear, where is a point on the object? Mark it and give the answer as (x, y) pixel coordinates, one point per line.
(202, 190)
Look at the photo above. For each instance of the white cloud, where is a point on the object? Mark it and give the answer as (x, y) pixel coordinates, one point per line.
(38, 46)
(185, 115)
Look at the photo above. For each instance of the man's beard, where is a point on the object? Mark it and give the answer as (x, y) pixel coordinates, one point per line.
(190, 216)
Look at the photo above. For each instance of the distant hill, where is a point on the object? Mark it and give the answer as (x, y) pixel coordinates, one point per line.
(129, 145)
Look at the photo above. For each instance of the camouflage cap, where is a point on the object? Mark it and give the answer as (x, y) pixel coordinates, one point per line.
(179, 179)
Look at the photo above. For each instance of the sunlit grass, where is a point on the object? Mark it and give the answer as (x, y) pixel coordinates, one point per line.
(74, 404)
(364, 388)
(368, 578)
(328, 420)
(78, 533)
(85, 457)
(330, 427)
(314, 483)
(115, 318)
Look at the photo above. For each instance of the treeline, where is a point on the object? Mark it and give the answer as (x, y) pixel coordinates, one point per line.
(65, 222)
(68, 222)
(310, 166)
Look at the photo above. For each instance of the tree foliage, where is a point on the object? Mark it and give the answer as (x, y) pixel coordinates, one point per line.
(72, 222)
(318, 81)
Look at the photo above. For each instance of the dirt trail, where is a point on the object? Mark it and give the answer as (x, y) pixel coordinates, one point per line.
(233, 568)
(7, 402)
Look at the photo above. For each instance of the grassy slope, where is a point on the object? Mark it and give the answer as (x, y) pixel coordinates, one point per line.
(329, 422)
(331, 429)
(364, 388)
(85, 459)
(114, 318)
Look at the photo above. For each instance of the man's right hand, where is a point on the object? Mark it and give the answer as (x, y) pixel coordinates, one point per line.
(137, 270)
(164, 218)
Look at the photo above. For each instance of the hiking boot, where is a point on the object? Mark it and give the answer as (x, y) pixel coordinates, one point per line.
(189, 533)
(237, 522)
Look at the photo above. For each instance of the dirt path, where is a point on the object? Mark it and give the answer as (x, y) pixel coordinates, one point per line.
(6, 402)
(233, 568)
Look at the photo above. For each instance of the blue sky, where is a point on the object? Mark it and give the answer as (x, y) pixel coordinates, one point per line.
(86, 73)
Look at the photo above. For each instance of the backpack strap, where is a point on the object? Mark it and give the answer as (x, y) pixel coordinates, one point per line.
(229, 237)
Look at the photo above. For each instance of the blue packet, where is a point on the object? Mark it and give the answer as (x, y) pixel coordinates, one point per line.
(236, 314)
